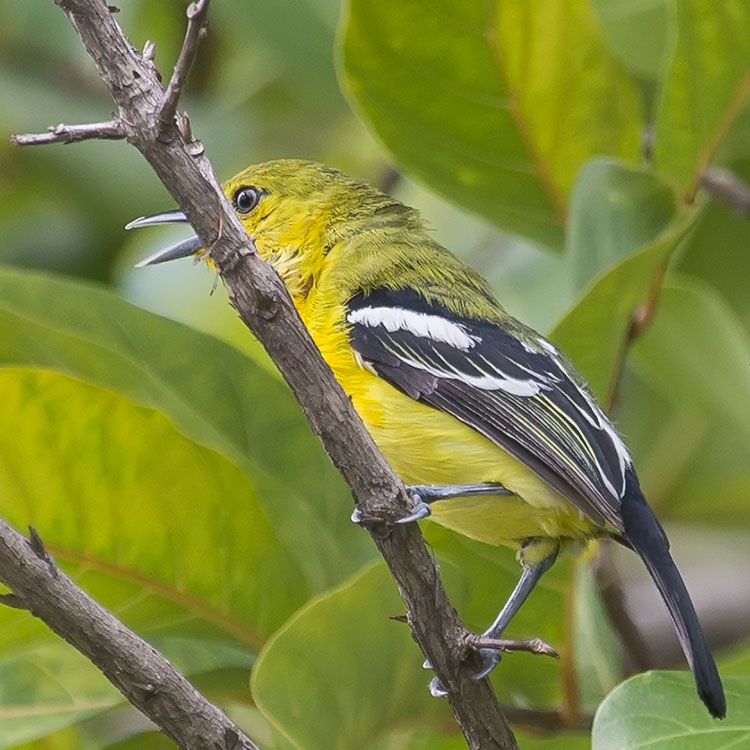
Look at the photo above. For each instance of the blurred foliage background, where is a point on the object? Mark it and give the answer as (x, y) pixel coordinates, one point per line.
(558, 147)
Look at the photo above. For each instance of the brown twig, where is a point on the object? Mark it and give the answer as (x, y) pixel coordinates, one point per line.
(640, 320)
(260, 298)
(196, 30)
(71, 134)
(136, 669)
(534, 646)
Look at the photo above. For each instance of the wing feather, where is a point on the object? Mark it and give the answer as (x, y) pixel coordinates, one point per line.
(508, 383)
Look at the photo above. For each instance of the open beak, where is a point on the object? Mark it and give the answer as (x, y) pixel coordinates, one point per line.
(187, 247)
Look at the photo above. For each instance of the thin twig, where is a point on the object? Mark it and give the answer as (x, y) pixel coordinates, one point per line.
(640, 321)
(534, 646)
(111, 130)
(196, 30)
(725, 186)
(136, 669)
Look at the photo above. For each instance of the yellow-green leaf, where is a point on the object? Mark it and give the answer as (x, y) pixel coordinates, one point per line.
(707, 86)
(495, 105)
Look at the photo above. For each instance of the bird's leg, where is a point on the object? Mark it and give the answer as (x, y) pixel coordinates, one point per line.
(530, 575)
(424, 494)
(542, 553)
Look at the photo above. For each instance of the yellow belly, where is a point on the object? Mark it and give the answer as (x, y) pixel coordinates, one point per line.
(427, 446)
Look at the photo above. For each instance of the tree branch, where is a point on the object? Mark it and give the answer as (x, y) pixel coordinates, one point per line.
(262, 302)
(136, 669)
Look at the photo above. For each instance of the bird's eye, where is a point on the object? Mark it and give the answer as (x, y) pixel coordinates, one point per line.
(246, 199)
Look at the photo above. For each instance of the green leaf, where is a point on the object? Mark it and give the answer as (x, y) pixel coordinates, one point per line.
(597, 649)
(684, 454)
(641, 33)
(592, 333)
(47, 687)
(707, 85)
(496, 120)
(717, 251)
(661, 711)
(211, 393)
(614, 210)
(697, 353)
(340, 673)
(362, 672)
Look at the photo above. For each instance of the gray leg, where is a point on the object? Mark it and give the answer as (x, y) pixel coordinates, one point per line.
(530, 575)
(424, 494)
(529, 578)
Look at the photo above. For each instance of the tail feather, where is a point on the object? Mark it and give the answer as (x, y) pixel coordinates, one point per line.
(644, 532)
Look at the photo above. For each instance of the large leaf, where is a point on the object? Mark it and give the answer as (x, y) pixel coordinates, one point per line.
(593, 332)
(213, 394)
(697, 353)
(46, 688)
(660, 711)
(362, 672)
(614, 210)
(641, 33)
(684, 455)
(707, 86)
(498, 121)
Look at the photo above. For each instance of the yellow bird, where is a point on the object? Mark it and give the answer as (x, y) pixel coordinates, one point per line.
(492, 428)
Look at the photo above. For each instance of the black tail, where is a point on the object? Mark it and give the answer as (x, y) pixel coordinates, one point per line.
(645, 533)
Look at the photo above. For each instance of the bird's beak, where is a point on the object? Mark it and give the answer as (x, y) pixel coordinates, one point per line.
(187, 247)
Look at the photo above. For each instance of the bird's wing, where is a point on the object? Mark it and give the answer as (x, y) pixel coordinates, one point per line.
(509, 384)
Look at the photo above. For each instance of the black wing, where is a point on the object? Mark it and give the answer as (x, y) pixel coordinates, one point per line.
(509, 384)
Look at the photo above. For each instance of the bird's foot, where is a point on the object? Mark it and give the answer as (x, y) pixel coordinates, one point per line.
(420, 509)
(490, 658)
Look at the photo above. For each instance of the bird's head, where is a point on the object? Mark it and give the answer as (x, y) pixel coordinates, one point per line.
(295, 211)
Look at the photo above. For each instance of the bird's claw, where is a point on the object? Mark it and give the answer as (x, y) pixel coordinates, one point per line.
(436, 688)
(420, 510)
(490, 659)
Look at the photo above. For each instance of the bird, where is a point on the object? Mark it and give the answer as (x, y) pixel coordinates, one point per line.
(491, 428)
